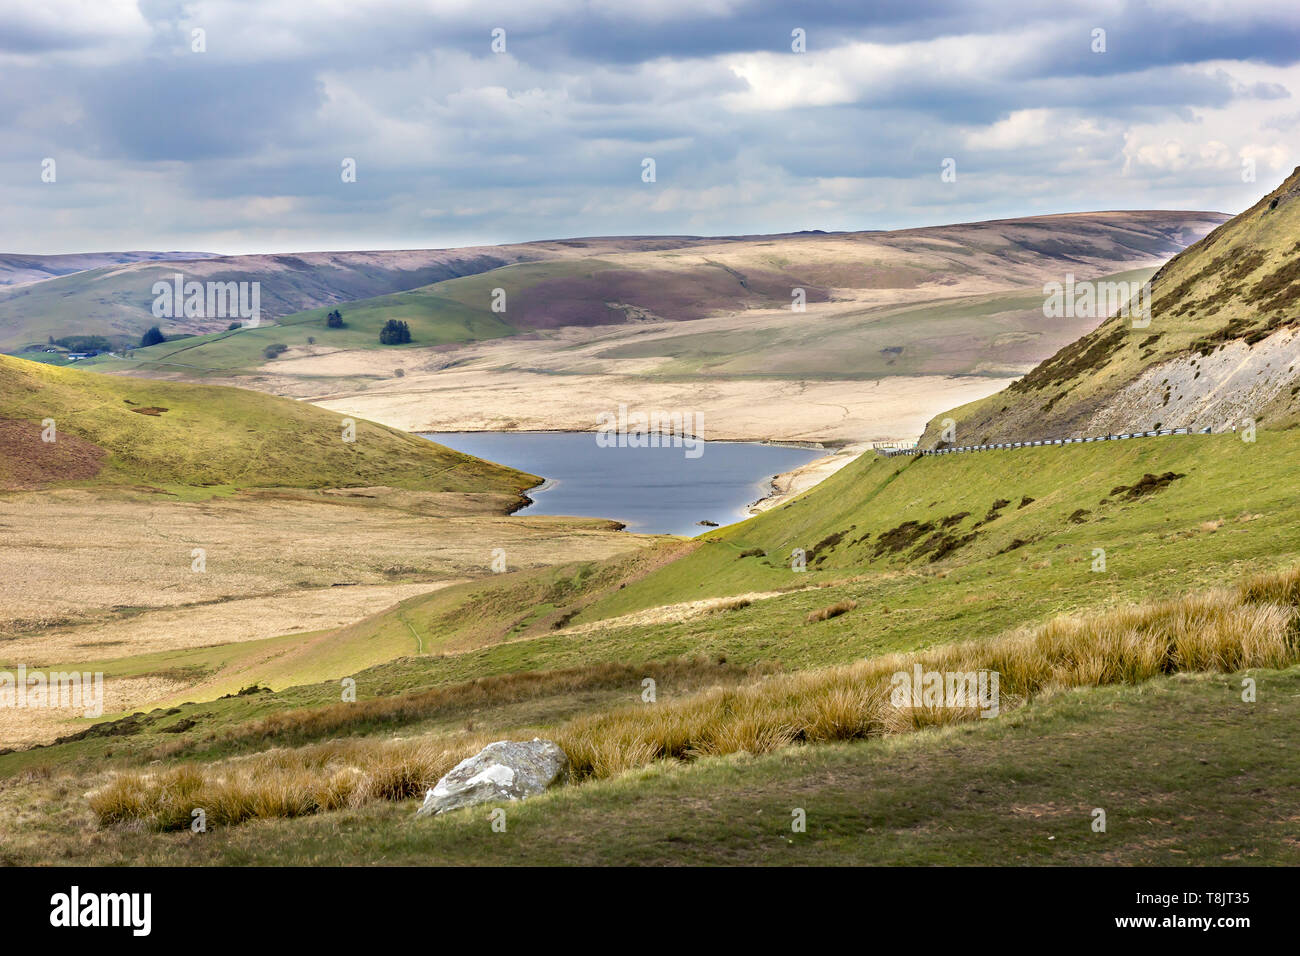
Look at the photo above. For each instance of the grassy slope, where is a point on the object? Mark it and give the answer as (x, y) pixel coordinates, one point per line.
(907, 801)
(1241, 282)
(1157, 545)
(1186, 773)
(117, 300)
(1224, 477)
(453, 311)
(23, 269)
(226, 437)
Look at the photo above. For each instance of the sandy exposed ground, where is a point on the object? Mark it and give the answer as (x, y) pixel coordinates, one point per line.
(78, 573)
(754, 410)
(793, 483)
(23, 726)
(234, 621)
(670, 613)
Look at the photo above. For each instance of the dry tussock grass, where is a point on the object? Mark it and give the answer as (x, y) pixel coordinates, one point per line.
(735, 604)
(1253, 625)
(317, 722)
(282, 782)
(1220, 631)
(834, 610)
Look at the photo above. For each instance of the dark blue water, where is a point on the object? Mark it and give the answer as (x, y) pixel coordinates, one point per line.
(651, 490)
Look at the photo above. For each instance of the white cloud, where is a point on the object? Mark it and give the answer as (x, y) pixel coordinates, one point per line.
(454, 142)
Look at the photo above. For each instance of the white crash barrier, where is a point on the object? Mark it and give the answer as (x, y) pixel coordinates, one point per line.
(893, 451)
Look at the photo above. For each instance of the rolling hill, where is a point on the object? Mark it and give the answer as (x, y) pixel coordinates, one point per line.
(1220, 346)
(117, 300)
(17, 269)
(599, 281)
(115, 431)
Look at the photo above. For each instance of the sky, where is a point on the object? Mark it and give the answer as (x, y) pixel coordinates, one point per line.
(226, 126)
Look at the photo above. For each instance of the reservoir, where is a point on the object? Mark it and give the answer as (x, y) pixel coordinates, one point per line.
(651, 490)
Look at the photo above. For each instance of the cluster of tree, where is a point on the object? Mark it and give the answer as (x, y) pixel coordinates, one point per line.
(334, 320)
(394, 332)
(83, 343)
(153, 337)
(273, 351)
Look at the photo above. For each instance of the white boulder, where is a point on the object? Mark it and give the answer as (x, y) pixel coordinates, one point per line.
(504, 770)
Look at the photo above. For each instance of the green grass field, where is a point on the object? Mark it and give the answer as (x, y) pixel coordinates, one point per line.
(1013, 792)
(434, 319)
(453, 311)
(117, 301)
(1186, 772)
(990, 792)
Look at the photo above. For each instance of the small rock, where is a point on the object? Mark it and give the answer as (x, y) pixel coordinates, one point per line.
(504, 770)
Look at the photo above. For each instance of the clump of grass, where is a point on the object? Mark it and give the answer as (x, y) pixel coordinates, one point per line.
(1253, 625)
(834, 610)
(282, 782)
(1281, 587)
(735, 604)
(314, 723)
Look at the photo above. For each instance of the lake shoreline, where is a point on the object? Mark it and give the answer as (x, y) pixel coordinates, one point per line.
(782, 487)
(660, 489)
(790, 484)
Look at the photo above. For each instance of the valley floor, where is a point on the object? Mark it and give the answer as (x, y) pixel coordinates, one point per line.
(838, 412)
(872, 365)
(111, 581)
